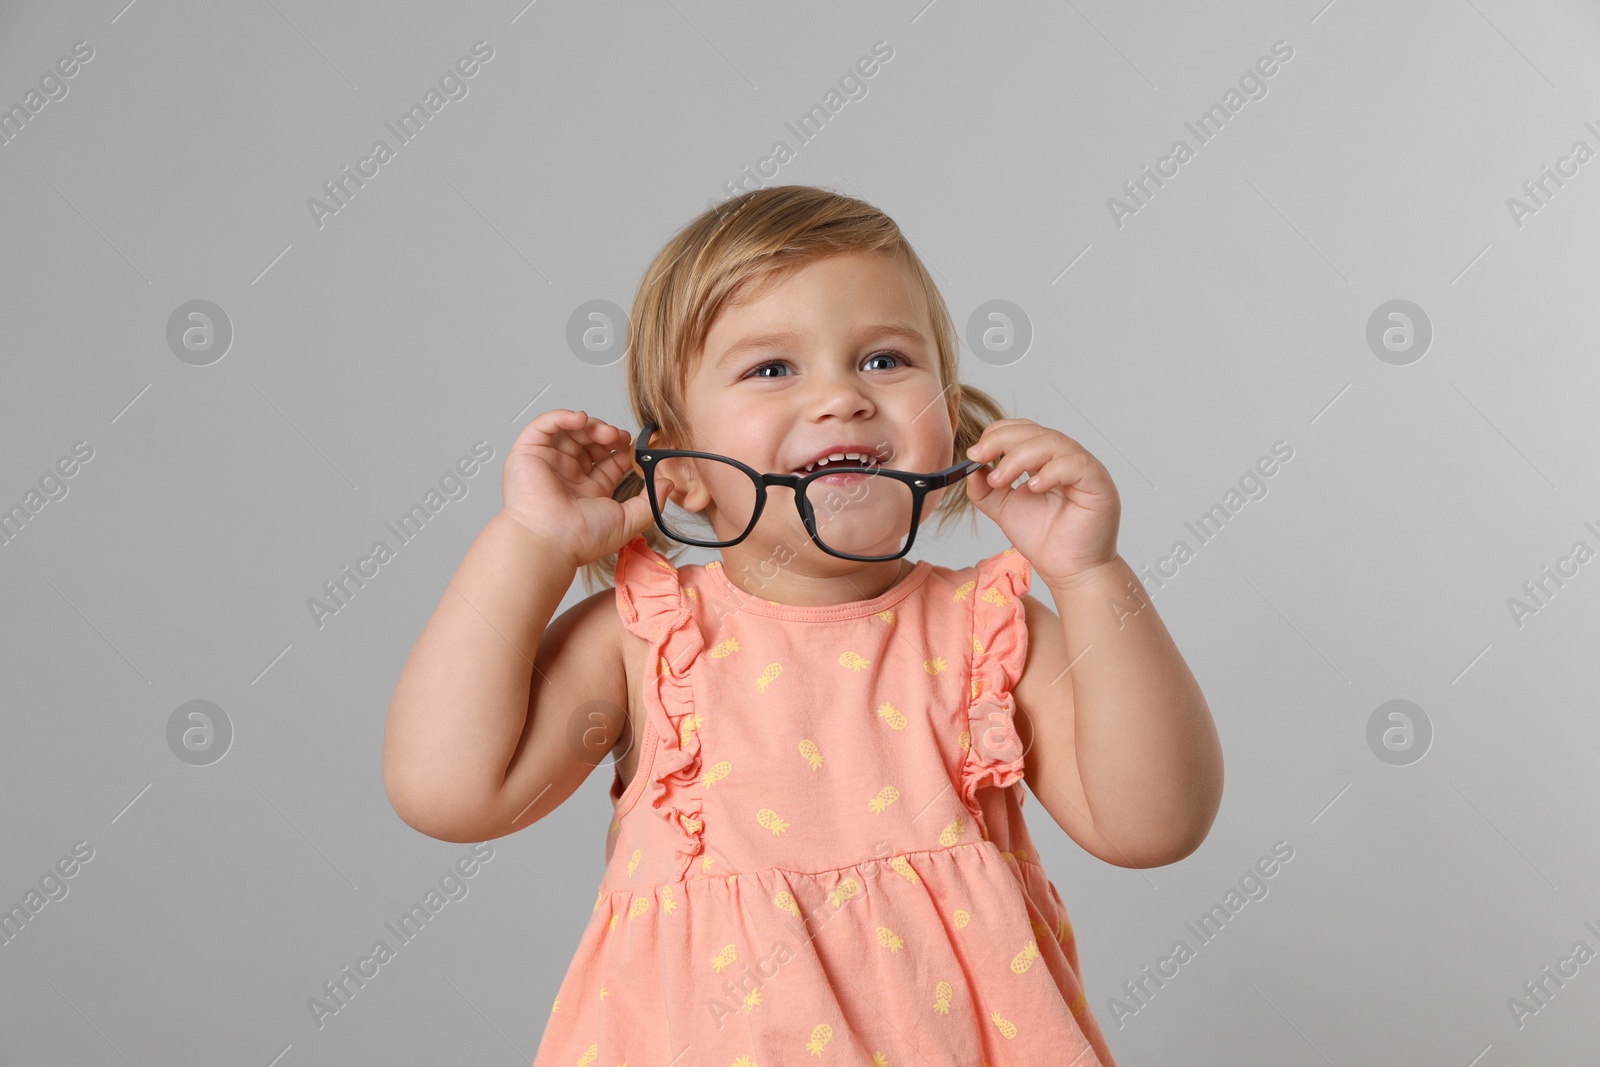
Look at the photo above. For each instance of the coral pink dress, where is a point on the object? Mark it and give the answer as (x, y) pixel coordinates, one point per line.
(822, 857)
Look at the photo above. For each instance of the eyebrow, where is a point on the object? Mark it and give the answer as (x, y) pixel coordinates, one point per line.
(791, 338)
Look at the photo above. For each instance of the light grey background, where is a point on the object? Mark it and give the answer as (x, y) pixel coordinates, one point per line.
(431, 312)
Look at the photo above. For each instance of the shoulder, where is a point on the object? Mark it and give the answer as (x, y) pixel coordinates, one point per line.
(592, 628)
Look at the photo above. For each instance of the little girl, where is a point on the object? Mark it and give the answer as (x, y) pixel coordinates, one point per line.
(818, 852)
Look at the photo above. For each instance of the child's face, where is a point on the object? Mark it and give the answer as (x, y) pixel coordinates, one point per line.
(861, 367)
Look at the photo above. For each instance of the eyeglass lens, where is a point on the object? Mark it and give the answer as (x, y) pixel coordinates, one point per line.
(861, 514)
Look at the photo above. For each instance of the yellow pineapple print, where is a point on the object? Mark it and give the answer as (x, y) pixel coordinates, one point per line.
(961, 918)
(613, 924)
(669, 904)
(880, 1060)
(847, 889)
(812, 754)
(903, 866)
(690, 823)
(633, 861)
(1024, 959)
(724, 648)
(1021, 854)
(786, 902)
(891, 715)
(706, 862)
(728, 955)
(639, 907)
(556, 1006)
(769, 819)
(1008, 1029)
(886, 796)
(964, 589)
(1078, 1005)
(768, 676)
(854, 660)
(821, 1034)
(952, 833)
(964, 740)
(890, 940)
(934, 666)
(751, 999)
(598, 897)
(941, 998)
(687, 727)
(887, 615)
(694, 595)
(1063, 931)
(588, 1055)
(1040, 930)
(719, 770)
(977, 686)
(662, 666)
(742, 1061)
(977, 645)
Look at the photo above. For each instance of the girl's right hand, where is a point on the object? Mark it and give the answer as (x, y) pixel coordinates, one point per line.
(558, 480)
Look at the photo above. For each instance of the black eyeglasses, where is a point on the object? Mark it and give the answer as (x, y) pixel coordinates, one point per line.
(852, 512)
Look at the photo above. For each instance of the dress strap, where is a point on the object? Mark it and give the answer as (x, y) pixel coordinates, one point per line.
(652, 604)
(999, 650)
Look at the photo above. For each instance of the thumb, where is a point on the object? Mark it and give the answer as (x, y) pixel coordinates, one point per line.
(640, 517)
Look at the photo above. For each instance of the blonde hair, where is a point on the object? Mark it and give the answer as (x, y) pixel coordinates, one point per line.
(750, 243)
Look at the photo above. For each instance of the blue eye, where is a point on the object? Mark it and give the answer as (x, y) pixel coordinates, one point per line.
(785, 363)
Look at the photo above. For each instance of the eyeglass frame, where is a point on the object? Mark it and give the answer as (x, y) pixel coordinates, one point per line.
(920, 484)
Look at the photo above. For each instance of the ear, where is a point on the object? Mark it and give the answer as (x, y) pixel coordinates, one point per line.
(688, 491)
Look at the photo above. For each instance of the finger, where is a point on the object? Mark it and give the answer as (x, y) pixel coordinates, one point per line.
(614, 467)
(1062, 470)
(1027, 455)
(551, 430)
(1000, 436)
(578, 442)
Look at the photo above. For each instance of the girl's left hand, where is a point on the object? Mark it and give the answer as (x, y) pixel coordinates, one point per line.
(1064, 519)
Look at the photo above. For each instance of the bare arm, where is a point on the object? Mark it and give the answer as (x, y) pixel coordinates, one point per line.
(1122, 750)
(480, 735)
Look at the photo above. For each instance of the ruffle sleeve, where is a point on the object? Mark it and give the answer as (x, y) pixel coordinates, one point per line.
(994, 754)
(653, 606)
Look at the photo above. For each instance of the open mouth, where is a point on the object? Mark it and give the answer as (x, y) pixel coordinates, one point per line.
(841, 460)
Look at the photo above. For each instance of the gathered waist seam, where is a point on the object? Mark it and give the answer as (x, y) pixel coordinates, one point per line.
(636, 890)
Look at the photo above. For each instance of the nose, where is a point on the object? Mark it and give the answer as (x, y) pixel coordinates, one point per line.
(839, 393)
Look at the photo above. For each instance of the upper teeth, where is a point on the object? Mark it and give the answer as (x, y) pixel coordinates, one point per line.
(861, 458)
